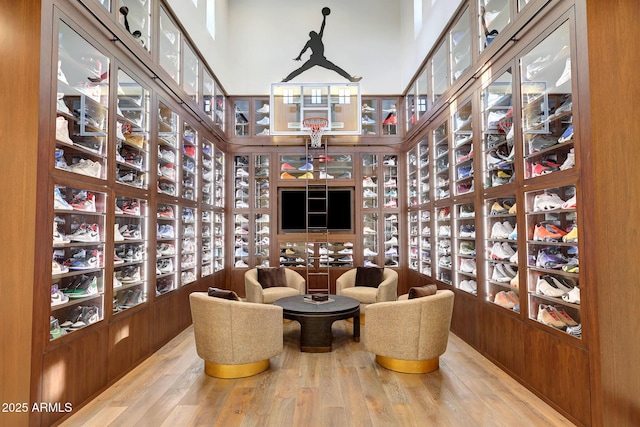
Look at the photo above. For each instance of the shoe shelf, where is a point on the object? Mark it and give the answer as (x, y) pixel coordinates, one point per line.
(132, 157)
(370, 241)
(465, 248)
(262, 223)
(390, 181)
(553, 283)
(189, 162)
(370, 187)
(390, 243)
(501, 242)
(369, 114)
(424, 174)
(219, 178)
(168, 156)
(460, 42)
(296, 254)
(262, 115)
(81, 112)
(441, 162)
(136, 15)
(496, 15)
(414, 240)
(443, 261)
(241, 121)
(166, 247)
(77, 275)
(241, 236)
(169, 46)
(207, 239)
(207, 190)
(130, 286)
(497, 132)
(390, 116)
(410, 108)
(261, 181)
(424, 240)
(438, 66)
(218, 243)
(547, 120)
(413, 178)
(462, 149)
(188, 245)
(190, 72)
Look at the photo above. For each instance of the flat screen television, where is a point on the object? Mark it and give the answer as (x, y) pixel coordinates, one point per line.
(297, 210)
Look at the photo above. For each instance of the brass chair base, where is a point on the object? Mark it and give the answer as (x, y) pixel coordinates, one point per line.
(235, 371)
(408, 366)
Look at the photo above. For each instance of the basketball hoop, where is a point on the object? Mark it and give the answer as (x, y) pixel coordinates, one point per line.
(316, 127)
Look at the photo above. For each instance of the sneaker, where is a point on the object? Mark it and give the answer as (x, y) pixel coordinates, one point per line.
(368, 182)
(57, 296)
(84, 201)
(569, 162)
(548, 285)
(306, 167)
(571, 236)
(369, 252)
(514, 234)
(549, 317)
(264, 121)
(369, 194)
(566, 74)
(575, 331)
(324, 175)
(548, 258)
(547, 233)
(62, 130)
(503, 300)
(59, 202)
(564, 316)
(468, 266)
(547, 201)
(264, 109)
(117, 236)
(306, 175)
(82, 287)
(86, 233)
(469, 286)
(569, 204)
(573, 296)
(541, 142)
(498, 231)
(286, 175)
(566, 135)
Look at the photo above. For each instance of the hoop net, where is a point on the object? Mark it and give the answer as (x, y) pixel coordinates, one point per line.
(316, 127)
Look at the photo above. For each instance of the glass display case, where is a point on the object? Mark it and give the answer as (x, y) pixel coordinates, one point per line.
(189, 162)
(261, 181)
(78, 274)
(241, 121)
(553, 284)
(390, 181)
(422, 94)
(190, 82)
(220, 108)
(463, 149)
(81, 106)
(441, 162)
(460, 44)
(424, 189)
(262, 242)
(206, 247)
(370, 242)
(414, 240)
(424, 242)
(391, 243)
(493, 17)
(497, 132)
(132, 132)
(169, 44)
(262, 114)
(369, 116)
(241, 218)
(135, 16)
(443, 245)
(439, 67)
(465, 248)
(389, 117)
(501, 242)
(219, 178)
(168, 156)
(218, 242)
(296, 254)
(208, 93)
(370, 188)
(410, 108)
(166, 248)
(547, 118)
(207, 189)
(130, 285)
(188, 245)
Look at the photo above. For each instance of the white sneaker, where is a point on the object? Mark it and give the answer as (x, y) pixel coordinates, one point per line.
(547, 201)
(368, 230)
(86, 167)
(573, 296)
(62, 130)
(569, 162)
(369, 252)
(498, 231)
(264, 109)
(117, 236)
(566, 74)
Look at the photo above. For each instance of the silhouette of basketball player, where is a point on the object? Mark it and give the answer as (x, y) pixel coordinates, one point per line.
(317, 54)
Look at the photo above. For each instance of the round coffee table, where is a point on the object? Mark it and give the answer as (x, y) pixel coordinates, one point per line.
(316, 319)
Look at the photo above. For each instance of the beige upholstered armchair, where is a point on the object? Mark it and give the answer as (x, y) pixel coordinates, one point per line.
(410, 335)
(235, 338)
(295, 285)
(386, 291)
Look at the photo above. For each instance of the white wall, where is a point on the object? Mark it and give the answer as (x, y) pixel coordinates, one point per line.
(256, 40)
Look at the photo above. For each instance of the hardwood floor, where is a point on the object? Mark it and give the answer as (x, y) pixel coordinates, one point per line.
(342, 388)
